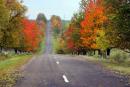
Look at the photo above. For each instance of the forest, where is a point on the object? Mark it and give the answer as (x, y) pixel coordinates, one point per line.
(99, 25)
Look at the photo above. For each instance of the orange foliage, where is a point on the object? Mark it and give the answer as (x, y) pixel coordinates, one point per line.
(92, 23)
(31, 35)
(69, 41)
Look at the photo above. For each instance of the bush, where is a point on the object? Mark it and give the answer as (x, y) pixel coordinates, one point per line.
(60, 51)
(119, 58)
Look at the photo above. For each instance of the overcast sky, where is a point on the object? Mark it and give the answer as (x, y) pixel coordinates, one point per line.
(62, 8)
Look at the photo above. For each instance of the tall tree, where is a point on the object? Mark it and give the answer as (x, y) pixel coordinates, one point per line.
(119, 23)
(41, 17)
(31, 35)
(4, 19)
(92, 24)
(41, 22)
(56, 24)
(12, 37)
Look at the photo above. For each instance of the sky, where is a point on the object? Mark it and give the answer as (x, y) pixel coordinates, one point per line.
(63, 8)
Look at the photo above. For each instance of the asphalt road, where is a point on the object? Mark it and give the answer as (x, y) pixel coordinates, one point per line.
(50, 70)
(48, 35)
(67, 71)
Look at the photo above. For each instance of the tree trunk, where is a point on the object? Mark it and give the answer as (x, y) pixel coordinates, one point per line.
(108, 52)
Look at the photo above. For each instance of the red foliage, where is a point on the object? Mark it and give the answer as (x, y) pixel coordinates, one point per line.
(31, 35)
(69, 41)
(92, 23)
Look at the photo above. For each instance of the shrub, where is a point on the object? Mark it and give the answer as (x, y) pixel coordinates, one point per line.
(119, 58)
(60, 51)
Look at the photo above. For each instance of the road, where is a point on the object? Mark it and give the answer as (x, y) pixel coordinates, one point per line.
(51, 70)
(48, 36)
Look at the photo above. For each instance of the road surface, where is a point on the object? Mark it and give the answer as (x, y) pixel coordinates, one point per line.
(48, 36)
(50, 70)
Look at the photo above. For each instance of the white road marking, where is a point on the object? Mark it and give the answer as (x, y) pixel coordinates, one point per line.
(58, 62)
(65, 79)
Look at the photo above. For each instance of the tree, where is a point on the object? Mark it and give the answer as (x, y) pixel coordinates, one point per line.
(41, 22)
(83, 5)
(103, 43)
(68, 39)
(119, 23)
(56, 24)
(11, 34)
(75, 33)
(4, 19)
(41, 17)
(94, 20)
(31, 35)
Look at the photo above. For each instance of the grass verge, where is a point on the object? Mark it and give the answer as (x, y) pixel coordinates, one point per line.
(9, 69)
(55, 44)
(117, 68)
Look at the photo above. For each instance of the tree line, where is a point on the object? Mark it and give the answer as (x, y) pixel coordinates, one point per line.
(98, 25)
(17, 32)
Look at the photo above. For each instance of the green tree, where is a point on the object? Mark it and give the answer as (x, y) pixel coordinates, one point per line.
(41, 17)
(56, 25)
(118, 29)
(12, 34)
(4, 19)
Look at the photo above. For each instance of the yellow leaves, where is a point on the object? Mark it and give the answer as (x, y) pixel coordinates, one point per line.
(101, 40)
(56, 22)
(92, 25)
(15, 36)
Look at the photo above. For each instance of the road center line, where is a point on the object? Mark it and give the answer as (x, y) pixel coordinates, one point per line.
(65, 79)
(57, 62)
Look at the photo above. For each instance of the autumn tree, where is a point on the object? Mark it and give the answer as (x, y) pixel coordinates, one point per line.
(4, 18)
(56, 24)
(92, 26)
(12, 32)
(75, 25)
(32, 35)
(69, 40)
(83, 5)
(41, 21)
(119, 23)
(41, 17)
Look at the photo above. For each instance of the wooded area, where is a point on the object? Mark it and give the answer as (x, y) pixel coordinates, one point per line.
(99, 25)
(17, 32)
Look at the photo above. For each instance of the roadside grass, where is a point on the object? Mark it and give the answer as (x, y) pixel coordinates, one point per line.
(3, 57)
(9, 69)
(117, 68)
(55, 44)
(120, 69)
(112, 63)
(42, 47)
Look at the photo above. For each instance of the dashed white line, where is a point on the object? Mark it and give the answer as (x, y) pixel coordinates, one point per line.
(58, 62)
(65, 79)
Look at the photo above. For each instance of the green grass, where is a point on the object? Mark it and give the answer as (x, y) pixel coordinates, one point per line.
(55, 44)
(2, 58)
(9, 69)
(42, 47)
(117, 68)
(13, 62)
(125, 70)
